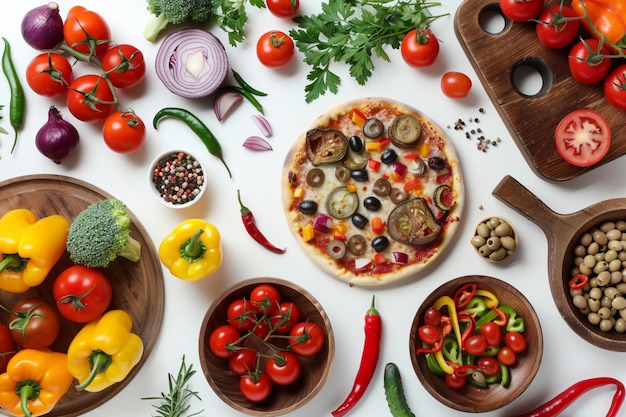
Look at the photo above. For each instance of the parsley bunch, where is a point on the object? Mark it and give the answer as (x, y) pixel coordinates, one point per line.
(231, 17)
(350, 31)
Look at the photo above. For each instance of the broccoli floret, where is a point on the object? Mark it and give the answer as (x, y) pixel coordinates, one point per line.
(100, 233)
(175, 12)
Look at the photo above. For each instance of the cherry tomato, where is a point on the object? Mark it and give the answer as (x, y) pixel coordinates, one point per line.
(82, 294)
(255, 389)
(492, 332)
(241, 314)
(285, 318)
(454, 381)
(506, 356)
(553, 30)
(221, 338)
(432, 316)
(283, 368)
(49, 74)
(286, 9)
(515, 341)
(455, 84)
(265, 298)
(521, 11)
(306, 338)
(586, 62)
(8, 347)
(262, 328)
(489, 365)
(86, 31)
(124, 65)
(428, 334)
(419, 48)
(615, 87)
(124, 131)
(242, 361)
(275, 49)
(89, 98)
(34, 323)
(476, 344)
(583, 137)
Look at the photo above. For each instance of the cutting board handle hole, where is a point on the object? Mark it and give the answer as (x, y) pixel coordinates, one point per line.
(492, 21)
(531, 77)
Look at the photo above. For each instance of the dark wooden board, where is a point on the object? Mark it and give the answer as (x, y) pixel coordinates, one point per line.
(137, 287)
(532, 121)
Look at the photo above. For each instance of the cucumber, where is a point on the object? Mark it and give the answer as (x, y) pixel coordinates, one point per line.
(395, 393)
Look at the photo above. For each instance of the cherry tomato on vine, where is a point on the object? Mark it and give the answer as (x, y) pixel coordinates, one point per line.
(89, 98)
(506, 356)
(489, 365)
(82, 294)
(124, 131)
(615, 87)
(49, 74)
(242, 361)
(255, 389)
(306, 338)
(515, 341)
(241, 314)
(8, 347)
(286, 9)
(587, 63)
(265, 298)
(419, 48)
(34, 323)
(583, 137)
(124, 65)
(492, 333)
(454, 381)
(275, 49)
(86, 31)
(283, 368)
(262, 328)
(288, 314)
(455, 84)
(554, 30)
(521, 10)
(220, 338)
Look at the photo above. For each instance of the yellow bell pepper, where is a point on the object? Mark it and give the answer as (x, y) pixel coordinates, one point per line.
(29, 248)
(104, 351)
(34, 382)
(192, 250)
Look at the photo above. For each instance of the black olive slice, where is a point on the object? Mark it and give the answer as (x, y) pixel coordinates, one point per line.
(336, 249)
(405, 131)
(357, 245)
(412, 223)
(341, 203)
(373, 128)
(315, 177)
(325, 146)
(382, 187)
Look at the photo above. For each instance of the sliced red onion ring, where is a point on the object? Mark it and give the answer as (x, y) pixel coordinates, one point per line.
(191, 63)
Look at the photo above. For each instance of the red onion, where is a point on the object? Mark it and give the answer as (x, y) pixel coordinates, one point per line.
(191, 63)
(323, 223)
(263, 125)
(257, 143)
(225, 102)
(42, 27)
(57, 139)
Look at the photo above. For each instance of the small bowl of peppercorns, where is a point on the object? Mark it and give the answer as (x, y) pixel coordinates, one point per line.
(176, 179)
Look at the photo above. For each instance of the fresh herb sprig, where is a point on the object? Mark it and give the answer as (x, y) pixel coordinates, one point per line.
(351, 31)
(231, 17)
(3, 130)
(175, 403)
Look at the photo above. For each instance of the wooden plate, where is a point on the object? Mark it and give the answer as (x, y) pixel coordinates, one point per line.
(532, 120)
(137, 287)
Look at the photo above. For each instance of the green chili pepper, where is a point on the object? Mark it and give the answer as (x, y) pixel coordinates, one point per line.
(245, 94)
(247, 86)
(18, 100)
(197, 126)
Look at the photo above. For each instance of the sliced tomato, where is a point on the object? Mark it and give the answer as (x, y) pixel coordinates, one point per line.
(583, 137)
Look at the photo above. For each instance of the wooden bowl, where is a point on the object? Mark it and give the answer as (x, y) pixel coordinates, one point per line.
(563, 232)
(283, 399)
(492, 241)
(470, 398)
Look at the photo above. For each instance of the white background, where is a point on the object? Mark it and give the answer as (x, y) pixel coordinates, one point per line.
(567, 358)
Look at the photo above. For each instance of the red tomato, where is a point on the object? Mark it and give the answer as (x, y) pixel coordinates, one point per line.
(492, 332)
(86, 31)
(419, 48)
(583, 137)
(455, 84)
(283, 368)
(454, 381)
(515, 341)
(262, 328)
(89, 98)
(285, 318)
(241, 314)
(428, 334)
(265, 298)
(553, 30)
(255, 389)
(306, 338)
(476, 344)
(286, 9)
(506, 356)
(34, 323)
(615, 87)
(82, 294)
(49, 74)
(432, 316)
(124, 65)
(489, 365)
(243, 361)
(275, 49)
(123, 131)
(221, 338)
(587, 63)
(521, 11)
(8, 347)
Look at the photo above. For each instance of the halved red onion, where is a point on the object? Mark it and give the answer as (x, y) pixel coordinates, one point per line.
(257, 143)
(191, 63)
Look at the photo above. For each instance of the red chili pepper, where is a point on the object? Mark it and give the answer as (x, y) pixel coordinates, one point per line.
(369, 360)
(469, 330)
(463, 295)
(253, 231)
(465, 370)
(579, 281)
(559, 403)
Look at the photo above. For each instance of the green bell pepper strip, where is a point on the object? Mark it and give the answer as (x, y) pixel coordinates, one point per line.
(514, 324)
(476, 306)
(489, 315)
(451, 350)
(433, 366)
(505, 380)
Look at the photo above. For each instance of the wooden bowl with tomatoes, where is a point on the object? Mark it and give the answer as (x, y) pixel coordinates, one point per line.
(266, 346)
(476, 343)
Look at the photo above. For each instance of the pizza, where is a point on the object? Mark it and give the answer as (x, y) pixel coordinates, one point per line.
(373, 191)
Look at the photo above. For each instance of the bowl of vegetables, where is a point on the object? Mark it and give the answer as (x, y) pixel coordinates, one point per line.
(476, 343)
(176, 179)
(266, 346)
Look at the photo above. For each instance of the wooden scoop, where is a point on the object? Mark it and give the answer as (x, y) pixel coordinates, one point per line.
(564, 232)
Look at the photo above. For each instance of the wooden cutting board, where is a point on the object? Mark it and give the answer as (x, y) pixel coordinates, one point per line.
(532, 120)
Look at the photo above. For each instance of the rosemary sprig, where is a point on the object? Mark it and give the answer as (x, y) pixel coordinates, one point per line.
(176, 402)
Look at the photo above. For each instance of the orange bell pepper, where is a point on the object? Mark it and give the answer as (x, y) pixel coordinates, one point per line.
(605, 19)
